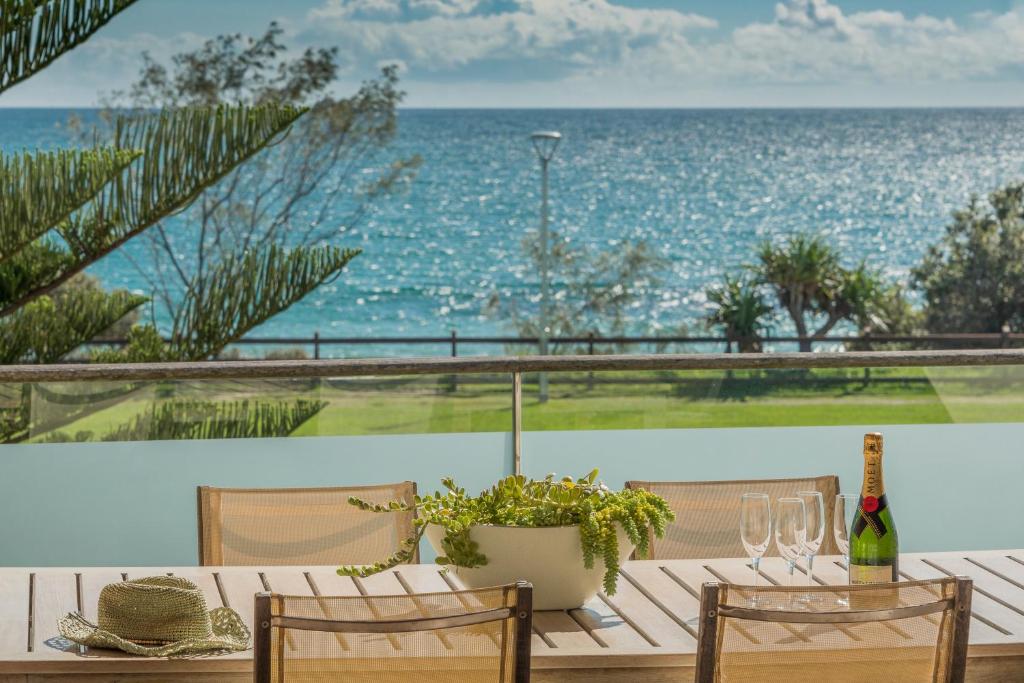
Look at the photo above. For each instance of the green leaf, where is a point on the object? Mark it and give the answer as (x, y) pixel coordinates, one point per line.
(190, 419)
(144, 346)
(48, 328)
(41, 189)
(185, 151)
(36, 32)
(516, 501)
(244, 291)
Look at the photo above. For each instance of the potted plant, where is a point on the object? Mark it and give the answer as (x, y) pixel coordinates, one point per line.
(565, 536)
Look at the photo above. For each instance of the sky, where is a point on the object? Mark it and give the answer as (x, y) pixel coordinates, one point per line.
(597, 53)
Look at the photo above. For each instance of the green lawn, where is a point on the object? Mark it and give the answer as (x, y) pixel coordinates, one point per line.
(635, 401)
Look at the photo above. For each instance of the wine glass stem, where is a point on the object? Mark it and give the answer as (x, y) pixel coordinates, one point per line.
(792, 566)
(810, 570)
(755, 562)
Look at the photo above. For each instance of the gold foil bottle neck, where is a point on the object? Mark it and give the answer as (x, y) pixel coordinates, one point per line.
(873, 443)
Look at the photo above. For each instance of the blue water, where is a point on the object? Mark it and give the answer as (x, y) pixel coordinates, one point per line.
(703, 187)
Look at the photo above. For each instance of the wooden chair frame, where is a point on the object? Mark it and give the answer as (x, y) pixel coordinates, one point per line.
(522, 611)
(205, 506)
(711, 611)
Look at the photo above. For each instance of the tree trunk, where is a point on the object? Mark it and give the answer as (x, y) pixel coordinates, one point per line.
(825, 329)
(797, 314)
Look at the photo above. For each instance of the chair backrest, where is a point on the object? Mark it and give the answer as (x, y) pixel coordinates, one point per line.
(472, 636)
(912, 632)
(707, 523)
(305, 526)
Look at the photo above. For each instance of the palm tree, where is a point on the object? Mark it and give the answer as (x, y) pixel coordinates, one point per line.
(740, 311)
(811, 284)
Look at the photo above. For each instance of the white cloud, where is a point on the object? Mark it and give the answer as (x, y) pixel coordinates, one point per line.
(598, 53)
(814, 41)
(815, 15)
(501, 39)
(586, 42)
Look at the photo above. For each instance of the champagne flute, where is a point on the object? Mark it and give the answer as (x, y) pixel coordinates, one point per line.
(843, 515)
(755, 528)
(814, 506)
(790, 531)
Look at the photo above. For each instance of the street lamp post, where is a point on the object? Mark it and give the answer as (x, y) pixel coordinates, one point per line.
(544, 143)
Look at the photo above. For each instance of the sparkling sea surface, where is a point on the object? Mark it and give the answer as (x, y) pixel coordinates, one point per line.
(703, 187)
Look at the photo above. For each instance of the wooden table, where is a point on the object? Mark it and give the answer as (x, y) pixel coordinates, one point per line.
(645, 633)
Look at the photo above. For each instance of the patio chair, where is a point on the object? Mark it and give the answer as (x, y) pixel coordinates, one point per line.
(472, 636)
(911, 632)
(708, 514)
(303, 526)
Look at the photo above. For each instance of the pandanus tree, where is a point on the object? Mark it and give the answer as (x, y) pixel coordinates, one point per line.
(63, 210)
(739, 310)
(813, 287)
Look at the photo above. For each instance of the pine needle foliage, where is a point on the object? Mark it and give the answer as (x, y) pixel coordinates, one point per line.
(218, 311)
(33, 33)
(520, 502)
(39, 190)
(62, 211)
(48, 328)
(189, 419)
(185, 151)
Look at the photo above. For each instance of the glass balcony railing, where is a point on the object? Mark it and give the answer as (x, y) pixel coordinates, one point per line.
(101, 464)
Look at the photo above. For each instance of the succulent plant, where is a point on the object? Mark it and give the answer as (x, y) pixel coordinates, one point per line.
(521, 502)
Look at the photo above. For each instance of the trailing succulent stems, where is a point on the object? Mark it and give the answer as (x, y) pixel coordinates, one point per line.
(520, 502)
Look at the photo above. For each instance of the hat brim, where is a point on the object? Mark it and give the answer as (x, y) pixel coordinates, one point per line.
(229, 635)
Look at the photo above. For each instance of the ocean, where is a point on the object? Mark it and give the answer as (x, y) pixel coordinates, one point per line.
(702, 187)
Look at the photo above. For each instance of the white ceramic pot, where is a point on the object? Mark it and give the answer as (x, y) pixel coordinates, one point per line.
(550, 558)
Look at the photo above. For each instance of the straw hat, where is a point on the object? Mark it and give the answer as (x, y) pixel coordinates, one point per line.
(158, 616)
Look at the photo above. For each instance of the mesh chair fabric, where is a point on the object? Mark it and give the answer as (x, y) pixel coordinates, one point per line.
(310, 526)
(477, 653)
(708, 514)
(911, 649)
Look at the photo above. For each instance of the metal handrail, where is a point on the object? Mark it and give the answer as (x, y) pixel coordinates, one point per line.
(381, 367)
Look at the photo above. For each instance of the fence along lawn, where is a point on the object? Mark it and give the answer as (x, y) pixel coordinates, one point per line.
(606, 400)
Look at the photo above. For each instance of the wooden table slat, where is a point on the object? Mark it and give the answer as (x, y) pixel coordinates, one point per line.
(56, 594)
(1002, 564)
(240, 584)
(14, 601)
(646, 616)
(644, 633)
(607, 627)
(990, 618)
(328, 582)
(990, 586)
(665, 592)
(551, 629)
(432, 582)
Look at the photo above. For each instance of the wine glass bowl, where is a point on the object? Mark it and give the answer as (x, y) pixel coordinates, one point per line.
(755, 523)
(790, 531)
(844, 513)
(814, 507)
(755, 529)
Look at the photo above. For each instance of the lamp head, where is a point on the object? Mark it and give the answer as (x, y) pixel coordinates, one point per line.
(545, 142)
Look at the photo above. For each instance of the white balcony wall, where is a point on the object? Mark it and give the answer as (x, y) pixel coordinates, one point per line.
(952, 487)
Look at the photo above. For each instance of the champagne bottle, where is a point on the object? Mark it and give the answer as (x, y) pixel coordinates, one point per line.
(874, 547)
